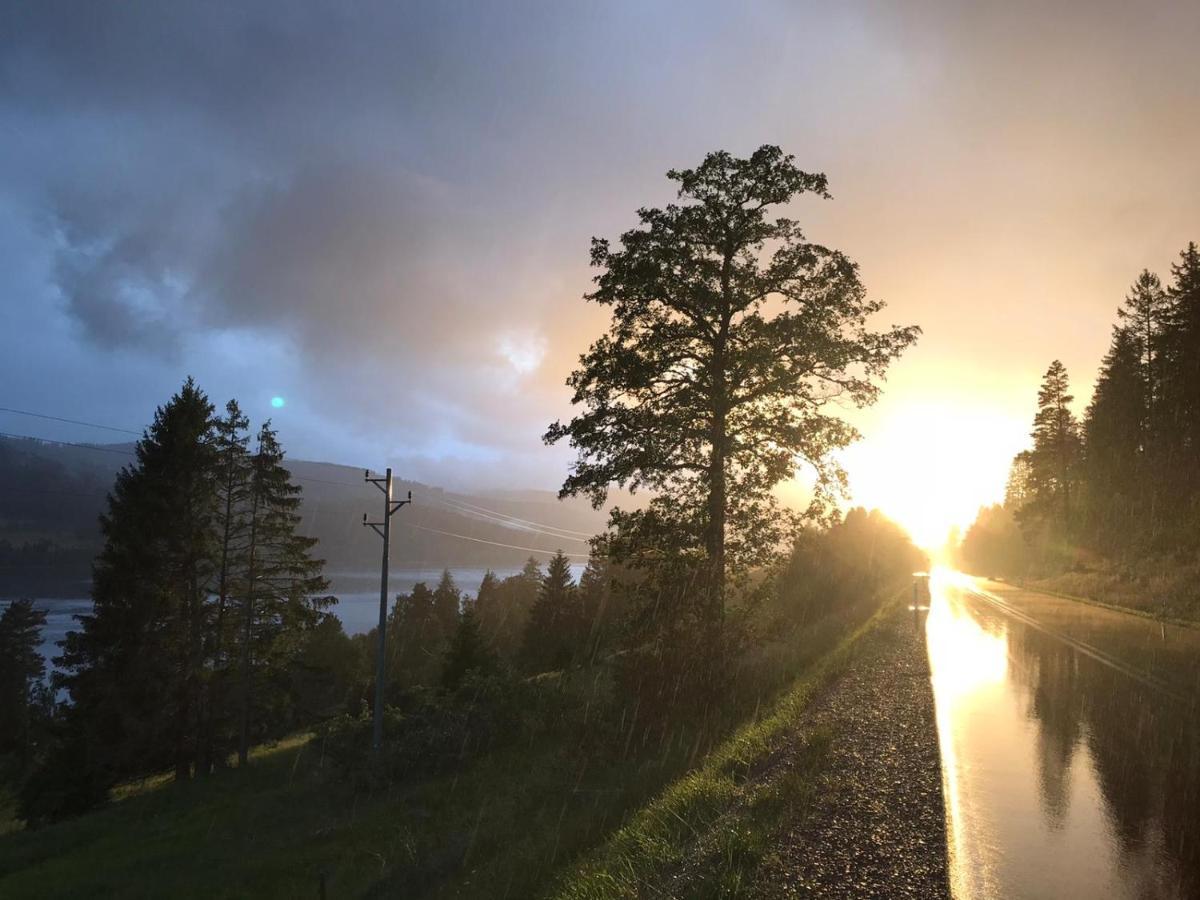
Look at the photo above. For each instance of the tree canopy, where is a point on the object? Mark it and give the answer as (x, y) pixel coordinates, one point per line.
(731, 336)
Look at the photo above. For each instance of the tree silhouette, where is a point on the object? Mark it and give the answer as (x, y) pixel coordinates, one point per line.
(282, 584)
(1115, 441)
(730, 335)
(134, 669)
(554, 632)
(233, 491)
(1055, 443)
(467, 651)
(22, 671)
(1181, 372)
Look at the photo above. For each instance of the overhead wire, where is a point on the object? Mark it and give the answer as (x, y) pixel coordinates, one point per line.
(476, 540)
(461, 506)
(566, 532)
(506, 523)
(37, 415)
(103, 449)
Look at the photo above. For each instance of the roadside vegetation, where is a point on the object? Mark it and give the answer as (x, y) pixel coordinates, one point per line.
(518, 818)
(1108, 508)
(524, 725)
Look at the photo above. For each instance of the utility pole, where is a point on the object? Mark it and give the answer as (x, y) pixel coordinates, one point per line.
(384, 530)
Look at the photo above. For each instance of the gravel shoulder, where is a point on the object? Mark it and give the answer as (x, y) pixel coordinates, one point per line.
(873, 824)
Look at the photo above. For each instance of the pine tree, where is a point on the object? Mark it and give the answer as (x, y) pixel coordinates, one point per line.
(134, 669)
(731, 336)
(1056, 446)
(1018, 490)
(22, 671)
(1146, 314)
(553, 633)
(282, 590)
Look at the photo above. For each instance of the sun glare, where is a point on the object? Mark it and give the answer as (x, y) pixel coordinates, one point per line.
(930, 468)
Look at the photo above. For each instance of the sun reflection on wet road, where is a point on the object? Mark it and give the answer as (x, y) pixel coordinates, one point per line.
(1070, 762)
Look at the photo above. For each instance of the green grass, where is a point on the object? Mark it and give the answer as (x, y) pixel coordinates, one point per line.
(509, 825)
(718, 818)
(272, 830)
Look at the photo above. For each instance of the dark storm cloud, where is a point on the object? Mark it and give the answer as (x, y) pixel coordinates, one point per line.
(336, 196)
(350, 180)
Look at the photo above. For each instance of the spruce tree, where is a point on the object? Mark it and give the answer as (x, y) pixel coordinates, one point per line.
(1114, 445)
(22, 671)
(413, 654)
(553, 633)
(134, 668)
(446, 601)
(282, 589)
(231, 439)
(505, 612)
(595, 610)
(1181, 378)
(488, 610)
(467, 651)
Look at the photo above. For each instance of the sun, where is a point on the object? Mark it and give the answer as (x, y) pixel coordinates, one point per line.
(930, 467)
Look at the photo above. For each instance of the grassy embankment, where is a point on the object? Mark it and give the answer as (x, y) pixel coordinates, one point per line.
(1162, 589)
(720, 819)
(510, 824)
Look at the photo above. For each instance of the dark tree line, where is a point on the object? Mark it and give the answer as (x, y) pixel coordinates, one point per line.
(528, 623)
(1125, 481)
(204, 600)
(25, 698)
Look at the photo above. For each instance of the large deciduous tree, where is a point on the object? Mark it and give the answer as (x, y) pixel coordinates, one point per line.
(731, 336)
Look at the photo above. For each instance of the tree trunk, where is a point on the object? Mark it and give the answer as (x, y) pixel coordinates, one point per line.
(247, 633)
(716, 519)
(205, 758)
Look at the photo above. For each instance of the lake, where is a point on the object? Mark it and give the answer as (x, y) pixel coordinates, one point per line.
(357, 593)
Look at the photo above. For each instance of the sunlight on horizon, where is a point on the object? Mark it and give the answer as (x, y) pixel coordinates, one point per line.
(930, 466)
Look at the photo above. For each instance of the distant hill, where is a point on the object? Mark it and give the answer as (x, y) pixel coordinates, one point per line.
(51, 496)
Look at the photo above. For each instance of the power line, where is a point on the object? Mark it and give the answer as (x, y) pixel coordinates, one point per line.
(530, 522)
(482, 541)
(27, 491)
(507, 523)
(25, 412)
(30, 437)
(323, 480)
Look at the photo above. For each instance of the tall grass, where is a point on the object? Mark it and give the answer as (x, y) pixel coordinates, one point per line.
(718, 807)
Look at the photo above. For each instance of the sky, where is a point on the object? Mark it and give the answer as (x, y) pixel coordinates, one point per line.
(378, 214)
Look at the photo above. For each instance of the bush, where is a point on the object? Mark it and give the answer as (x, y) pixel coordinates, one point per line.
(430, 731)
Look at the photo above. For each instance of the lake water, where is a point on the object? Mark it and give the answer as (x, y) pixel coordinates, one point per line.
(357, 593)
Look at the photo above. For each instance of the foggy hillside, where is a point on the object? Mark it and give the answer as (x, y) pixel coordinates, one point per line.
(51, 496)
